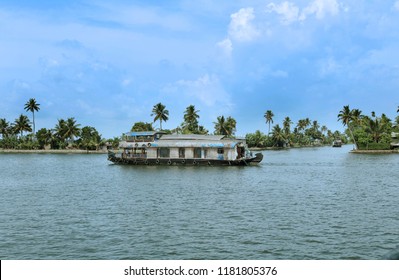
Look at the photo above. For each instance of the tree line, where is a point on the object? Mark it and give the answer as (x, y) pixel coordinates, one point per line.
(190, 125)
(305, 133)
(368, 132)
(21, 134)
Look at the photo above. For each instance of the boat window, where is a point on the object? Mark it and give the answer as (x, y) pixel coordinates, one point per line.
(164, 152)
(197, 152)
(220, 151)
(182, 152)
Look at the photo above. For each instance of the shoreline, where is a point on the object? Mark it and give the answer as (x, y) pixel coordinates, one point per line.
(63, 151)
(374, 151)
(76, 151)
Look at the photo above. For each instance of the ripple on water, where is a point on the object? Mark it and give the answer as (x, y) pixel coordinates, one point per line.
(299, 204)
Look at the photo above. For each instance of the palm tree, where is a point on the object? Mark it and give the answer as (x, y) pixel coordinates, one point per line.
(323, 129)
(278, 136)
(90, 138)
(316, 126)
(346, 116)
(22, 124)
(32, 106)
(231, 126)
(225, 126)
(386, 123)
(287, 125)
(357, 116)
(4, 128)
(307, 122)
(269, 118)
(44, 137)
(60, 129)
(142, 126)
(256, 139)
(72, 129)
(374, 127)
(301, 125)
(191, 119)
(220, 126)
(160, 113)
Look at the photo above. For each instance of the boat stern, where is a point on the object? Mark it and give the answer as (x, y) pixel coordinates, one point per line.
(258, 158)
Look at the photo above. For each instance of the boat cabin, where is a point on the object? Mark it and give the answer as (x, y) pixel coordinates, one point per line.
(154, 147)
(394, 140)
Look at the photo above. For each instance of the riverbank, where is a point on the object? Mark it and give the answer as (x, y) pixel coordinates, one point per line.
(375, 151)
(285, 148)
(64, 151)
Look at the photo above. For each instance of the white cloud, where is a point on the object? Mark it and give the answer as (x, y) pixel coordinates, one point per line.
(207, 89)
(396, 5)
(241, 27)
(321, 8)
(288, 11)
(226, 46)
(329, 66)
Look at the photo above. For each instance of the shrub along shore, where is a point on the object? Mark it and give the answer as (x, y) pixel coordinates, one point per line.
(375, 151)
(52, 151)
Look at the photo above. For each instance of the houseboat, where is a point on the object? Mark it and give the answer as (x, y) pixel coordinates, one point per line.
(157, 148)
(394, 140)
(337, 143)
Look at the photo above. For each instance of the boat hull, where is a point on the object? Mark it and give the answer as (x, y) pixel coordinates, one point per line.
(184, 162)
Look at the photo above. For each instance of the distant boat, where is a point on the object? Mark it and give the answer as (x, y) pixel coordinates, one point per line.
(337, 143)
(157, 148)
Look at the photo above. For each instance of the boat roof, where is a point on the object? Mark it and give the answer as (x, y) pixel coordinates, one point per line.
(184, 140)
(192, 137)
(143, 133)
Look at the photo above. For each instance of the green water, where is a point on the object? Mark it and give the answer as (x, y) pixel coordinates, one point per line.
(321, 203)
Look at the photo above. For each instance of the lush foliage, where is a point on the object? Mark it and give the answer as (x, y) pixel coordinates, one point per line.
(32, 106)
(368, 132)
(225, 126)
(142, 126)
(160, 113)
(65, 134)
(305, 133)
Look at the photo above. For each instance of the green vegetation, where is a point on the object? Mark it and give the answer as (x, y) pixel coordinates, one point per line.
(142, 126)
(191, 124)
(160, 113)
(32, 106)
(66, 134)
(305, 133)
(368, 132)
(225, 126)
(269, 118)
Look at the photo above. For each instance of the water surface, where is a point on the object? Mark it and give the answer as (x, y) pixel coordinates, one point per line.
(312, 203)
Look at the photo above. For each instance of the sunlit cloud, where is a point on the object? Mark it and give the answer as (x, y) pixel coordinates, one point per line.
(288, 11)
(320, 9)
(226, 47)
(241, 26)
(207, 89)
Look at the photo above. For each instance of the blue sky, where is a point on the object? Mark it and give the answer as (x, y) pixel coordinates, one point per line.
(107, 63)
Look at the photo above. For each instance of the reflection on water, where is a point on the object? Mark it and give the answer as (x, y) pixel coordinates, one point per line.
(321, 203)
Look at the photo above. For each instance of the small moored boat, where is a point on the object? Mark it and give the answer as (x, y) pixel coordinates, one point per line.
(157, 148)
(337, 143)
